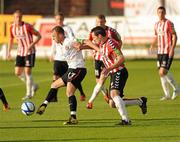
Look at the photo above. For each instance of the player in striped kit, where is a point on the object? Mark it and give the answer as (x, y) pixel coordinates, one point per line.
(25, 59)
(113, 60)
(165, 37)
(72, 78)
(99, 65)
(60, 64)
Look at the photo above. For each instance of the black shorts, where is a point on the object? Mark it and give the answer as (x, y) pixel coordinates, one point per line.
(60, 68)
(25, 61)
(164, 61)
(118, 80)
(75, 76)
(99, 65)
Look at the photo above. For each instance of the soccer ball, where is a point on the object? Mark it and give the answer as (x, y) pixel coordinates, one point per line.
(27, 108)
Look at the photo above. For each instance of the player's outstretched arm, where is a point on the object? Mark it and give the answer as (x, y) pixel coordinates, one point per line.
(91, 45)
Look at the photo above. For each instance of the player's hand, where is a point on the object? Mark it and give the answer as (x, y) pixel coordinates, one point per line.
(171, 54)
(87, 42)
(9, 57)
(30, 47)
(77, 45)
(152, 48)
(51, 58)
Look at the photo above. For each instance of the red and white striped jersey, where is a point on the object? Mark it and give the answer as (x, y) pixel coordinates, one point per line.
(24, 37)
(109, 50)
(163, 32)
(111, 33)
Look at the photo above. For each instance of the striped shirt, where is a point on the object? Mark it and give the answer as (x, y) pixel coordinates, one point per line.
(163, 32)
(109, 50)
(24, 37)
(111, 33)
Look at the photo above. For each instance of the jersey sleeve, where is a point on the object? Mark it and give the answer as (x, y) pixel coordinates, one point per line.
(31, 29)
(114, 49)
(116, 36)
(155, 29)
(171, 28)
(70, 33)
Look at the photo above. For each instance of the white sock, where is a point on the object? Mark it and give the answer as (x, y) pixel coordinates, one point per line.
(29, 83)
(165, 86)
(104, 90)
(73, 112)
(132, 102)
(45, 102)
(171, 81)
(22, 77)
(121, 107)
(96, 90)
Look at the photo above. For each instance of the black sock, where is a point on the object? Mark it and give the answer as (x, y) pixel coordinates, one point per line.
(81, 90)
(2, 97)
(52, 93)
(73, 105)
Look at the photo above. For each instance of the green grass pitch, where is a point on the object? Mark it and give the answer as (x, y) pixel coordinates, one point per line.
(160, 124)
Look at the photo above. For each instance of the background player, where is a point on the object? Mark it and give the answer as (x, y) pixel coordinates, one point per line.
(25, 59)
(166, 38)
(4, 101)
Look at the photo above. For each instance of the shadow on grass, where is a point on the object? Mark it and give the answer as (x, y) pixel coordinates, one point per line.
(100, 139)
(84, 139)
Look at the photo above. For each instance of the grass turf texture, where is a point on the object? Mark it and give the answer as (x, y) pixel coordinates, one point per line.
(161, 123)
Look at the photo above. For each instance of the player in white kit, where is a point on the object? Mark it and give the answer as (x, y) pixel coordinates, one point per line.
(60, 64)
(72, 78)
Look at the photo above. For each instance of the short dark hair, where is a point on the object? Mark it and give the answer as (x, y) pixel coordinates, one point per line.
(58, 29)
(19, 11)
(59, 14)
(101, 16)
(99, 31)
(162, 8)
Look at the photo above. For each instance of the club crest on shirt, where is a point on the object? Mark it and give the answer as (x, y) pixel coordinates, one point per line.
(164, 63)
(27, 63)
(161, 32)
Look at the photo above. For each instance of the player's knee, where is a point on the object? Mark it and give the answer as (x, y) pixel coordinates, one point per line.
(113, 94)
(17, 73)
(53, 85)
(112, 104)
(162, 72)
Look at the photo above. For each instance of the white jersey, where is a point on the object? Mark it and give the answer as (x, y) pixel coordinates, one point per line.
(73, 56)
(58, 51)
(55, 50)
